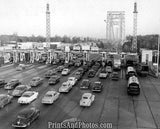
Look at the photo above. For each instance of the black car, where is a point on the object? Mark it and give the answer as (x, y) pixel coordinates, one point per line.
(91, 73)
(115, 76)
(97, 86)
(26, 117)
(60, 68)
(85, 68)
(85, 84)
(81, 70)
(54, 79)
(2, 82)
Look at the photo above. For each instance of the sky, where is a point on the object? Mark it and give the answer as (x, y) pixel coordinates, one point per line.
(75, 17)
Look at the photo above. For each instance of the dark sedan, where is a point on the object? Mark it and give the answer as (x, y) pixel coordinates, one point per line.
(26, 117)
(91, 73)
(54, 79)
(97, 86)
(85, 84)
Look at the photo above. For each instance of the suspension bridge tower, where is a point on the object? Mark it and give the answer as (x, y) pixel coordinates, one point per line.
(48, 32)
(134, 41)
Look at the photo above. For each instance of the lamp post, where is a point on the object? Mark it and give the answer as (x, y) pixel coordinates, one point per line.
(158, 56)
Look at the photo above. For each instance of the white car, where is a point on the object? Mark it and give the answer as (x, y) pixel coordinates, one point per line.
(87, 99)
(66, 87)
(20, 67)
(27, 97)
(50, 97)
(65, 71)
(72, 80)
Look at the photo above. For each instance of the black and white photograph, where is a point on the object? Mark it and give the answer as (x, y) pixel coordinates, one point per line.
(79, 64)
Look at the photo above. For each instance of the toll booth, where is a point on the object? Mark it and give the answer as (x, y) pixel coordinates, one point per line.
(32, 56)
(67, 57)
(86, 56)
(104, 56)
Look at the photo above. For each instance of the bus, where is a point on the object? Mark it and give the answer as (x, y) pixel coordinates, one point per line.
(142, 69)
(130, 72)
(133, 87)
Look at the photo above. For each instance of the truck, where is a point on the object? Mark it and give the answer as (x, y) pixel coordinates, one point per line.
(116, 62)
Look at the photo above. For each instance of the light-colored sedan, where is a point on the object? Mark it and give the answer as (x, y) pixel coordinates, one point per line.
(72, 80)
(65, 71)
(20, 67)
(27, 97)
(50, 97)
(19, 90)
(87, 99)
(36, 81)
(66, 87)
(5, 99)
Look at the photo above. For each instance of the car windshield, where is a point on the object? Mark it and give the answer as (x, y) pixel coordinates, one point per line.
(65, 70)
(53, 78)
(25, 114)
(48, 95)
(20, 88)
(85, 82)
(64, 85)
(85, 97)
(2, 97)
(96, 84)
(70, 79)
(29, 94)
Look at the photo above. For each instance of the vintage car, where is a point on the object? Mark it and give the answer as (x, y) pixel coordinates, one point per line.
(85, 84)
(65, 71)
(77, 75)
(54, 79)
(36, 81)
(97, 86)
(115, 76)
(27, 97)
(72, 80)
(103, 74)
(26, 117)
(5, 99)
(87, 99)
(66, 87)
(2, 82)
(49, 73)
(91, 73)
(12, 84)
(109, 69)
(60, 68)
(20, 67)
(50, 97)
(19, 90)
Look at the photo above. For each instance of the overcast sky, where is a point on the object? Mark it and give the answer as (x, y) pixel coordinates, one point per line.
(75, 17)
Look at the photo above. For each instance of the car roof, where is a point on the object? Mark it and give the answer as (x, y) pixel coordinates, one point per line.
(97, 82)
(87, 94)
(85, 80)
(26, 112)
(13, 79)
(51, 92)
(36, 77)
(2, 95)
(71, 77)
(21, 86)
